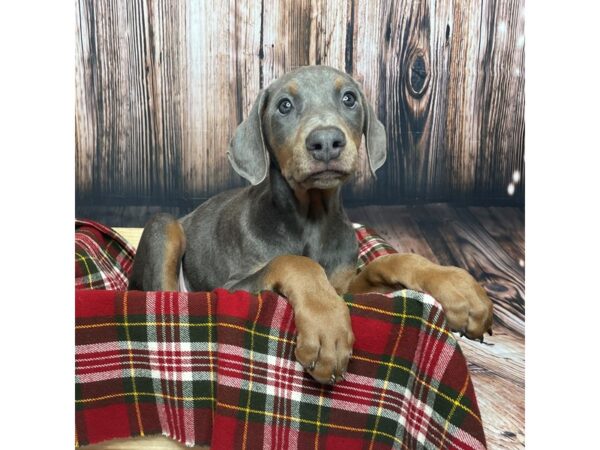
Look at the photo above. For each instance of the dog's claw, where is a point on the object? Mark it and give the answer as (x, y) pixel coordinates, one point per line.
(490, 332)
(481, 339)
(332, 379)
(311, 366)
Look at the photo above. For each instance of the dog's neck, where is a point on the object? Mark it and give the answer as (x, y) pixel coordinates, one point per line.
(312, 204)
(316, 203)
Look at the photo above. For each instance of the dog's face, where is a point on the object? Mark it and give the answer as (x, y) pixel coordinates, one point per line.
(312, 124)
(311, 121)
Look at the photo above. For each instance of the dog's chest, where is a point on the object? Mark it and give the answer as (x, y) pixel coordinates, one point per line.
(330, 246)
(312, 243)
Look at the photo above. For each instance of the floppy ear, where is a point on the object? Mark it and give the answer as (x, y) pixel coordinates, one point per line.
(374, 132)
(247, 152)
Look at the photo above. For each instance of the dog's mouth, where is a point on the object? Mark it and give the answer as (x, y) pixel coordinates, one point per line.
(324, 179)
(327, 174)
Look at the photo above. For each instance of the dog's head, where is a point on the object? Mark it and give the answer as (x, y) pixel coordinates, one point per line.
(311, 121)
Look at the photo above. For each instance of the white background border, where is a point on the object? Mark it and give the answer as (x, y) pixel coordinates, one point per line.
(562, 222)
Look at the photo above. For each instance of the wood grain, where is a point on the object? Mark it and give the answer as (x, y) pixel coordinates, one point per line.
(160, 87)
(223, 43)
(505, 225)
(459, 240)
(504, 425)
(500, 149)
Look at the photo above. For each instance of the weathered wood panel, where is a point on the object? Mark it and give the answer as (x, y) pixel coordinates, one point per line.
(501, 146)
(160, 87)
(458, 240)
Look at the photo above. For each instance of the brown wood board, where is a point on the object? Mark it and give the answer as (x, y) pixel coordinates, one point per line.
(160, 87)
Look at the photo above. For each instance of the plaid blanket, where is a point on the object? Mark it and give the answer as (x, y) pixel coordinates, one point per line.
(218, 368)
(103, 258)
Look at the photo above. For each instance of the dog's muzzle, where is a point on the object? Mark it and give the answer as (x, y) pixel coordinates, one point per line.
(326, 144)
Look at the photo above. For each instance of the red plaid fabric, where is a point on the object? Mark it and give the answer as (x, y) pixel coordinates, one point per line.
(103, 258)
(218, 368)
(370, 245)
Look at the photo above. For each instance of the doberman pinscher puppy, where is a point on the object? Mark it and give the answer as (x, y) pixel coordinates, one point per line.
(288, 231)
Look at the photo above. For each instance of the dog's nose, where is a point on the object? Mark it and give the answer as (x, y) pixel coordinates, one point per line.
(325, 144)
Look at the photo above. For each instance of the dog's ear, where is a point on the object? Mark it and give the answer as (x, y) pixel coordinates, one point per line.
(375, 136)
(247, 152)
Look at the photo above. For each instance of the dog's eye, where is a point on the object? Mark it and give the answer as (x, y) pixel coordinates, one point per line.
(349, 100)
(285, 106)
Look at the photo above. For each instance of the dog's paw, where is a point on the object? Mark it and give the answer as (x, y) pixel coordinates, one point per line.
(324, 341)
(468, 308)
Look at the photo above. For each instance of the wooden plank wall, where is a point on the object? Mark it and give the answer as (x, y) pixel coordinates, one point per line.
(161, 85)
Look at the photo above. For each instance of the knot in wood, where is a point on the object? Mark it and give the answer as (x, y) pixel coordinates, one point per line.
(418, 74)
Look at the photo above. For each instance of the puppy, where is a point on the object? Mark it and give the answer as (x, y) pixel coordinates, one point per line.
(288, 231)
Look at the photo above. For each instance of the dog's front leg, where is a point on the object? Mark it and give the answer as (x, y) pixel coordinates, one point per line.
(466, 304)
(324, 334)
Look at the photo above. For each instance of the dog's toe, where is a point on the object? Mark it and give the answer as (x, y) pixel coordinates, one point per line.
(325, 340)
(468, 308)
